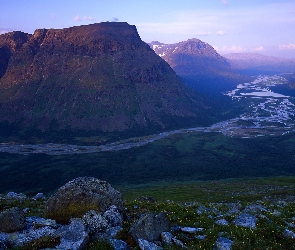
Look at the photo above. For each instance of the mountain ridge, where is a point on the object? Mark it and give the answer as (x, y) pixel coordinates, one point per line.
(98, 77)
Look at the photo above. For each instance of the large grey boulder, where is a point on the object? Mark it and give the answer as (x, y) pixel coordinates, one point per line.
(81, 195)
(150, 226)
(12, 219)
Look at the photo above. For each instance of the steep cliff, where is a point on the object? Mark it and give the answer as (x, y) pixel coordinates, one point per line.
(98, 77)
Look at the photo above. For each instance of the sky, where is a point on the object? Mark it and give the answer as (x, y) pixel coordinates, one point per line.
(230, 26)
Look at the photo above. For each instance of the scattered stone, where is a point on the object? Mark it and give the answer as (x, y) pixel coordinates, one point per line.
(276, 213)
(119, 244)
(202, 209)
(146, 245)
(37, 222)
(245, 220)
(150, 226)
(223, 244)
(95, 222)
(289, 234)
(113, 217)
(39, 196)
(19, 239)
(15, 196)
(12, 220)
(222, 222)
(255, 208)
(73, 236)
(80, 195)
(200, 237)
(191, 229)
(166, 238)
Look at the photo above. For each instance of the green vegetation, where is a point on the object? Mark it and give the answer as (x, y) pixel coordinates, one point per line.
(273, 193)
(178, 158)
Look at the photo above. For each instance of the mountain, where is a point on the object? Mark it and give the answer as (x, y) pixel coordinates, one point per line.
(99, 78)
(254, 63)
(193, 58)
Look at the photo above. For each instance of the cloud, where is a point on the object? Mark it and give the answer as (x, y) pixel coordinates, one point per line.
(88, 18)
(225, 2)
(115, 19)
(260, 48)
(289, 46)
(221, 33)
(232, 49)
(77, 18)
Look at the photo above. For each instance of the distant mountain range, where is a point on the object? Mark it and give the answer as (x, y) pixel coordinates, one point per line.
(97, 78)
(254, 63)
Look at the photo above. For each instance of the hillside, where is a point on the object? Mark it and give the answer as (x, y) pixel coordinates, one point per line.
(97, 78)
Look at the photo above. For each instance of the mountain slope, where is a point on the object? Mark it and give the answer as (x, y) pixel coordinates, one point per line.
(98, 77)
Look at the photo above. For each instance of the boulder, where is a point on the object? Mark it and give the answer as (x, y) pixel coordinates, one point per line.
(12, 219)
(81, 195)
(150, 226)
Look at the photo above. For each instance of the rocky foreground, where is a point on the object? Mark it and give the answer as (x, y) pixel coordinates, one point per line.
(87, 213)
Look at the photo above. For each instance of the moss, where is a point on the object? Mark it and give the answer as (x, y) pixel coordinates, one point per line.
(71, 211)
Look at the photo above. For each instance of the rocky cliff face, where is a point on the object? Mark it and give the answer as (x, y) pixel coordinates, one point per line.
(193, 58)
(99, 77)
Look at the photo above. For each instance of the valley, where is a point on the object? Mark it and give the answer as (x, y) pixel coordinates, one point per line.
(268, 113)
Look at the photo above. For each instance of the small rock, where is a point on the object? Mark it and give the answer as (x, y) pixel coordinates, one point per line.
(200, 237)
(276, 213)
(73, 236)
(113, 217)
(119, 244)
(95, 222)
(12, 220)
(245, 220)
(37, 222)
(222, 222)
(289, 234)
(146, 245)
(15, 196)
(166, 238)
(39, 196)
(223, 244)
(150, 226)
(191, 229)
(255, 208)
(18, 239)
